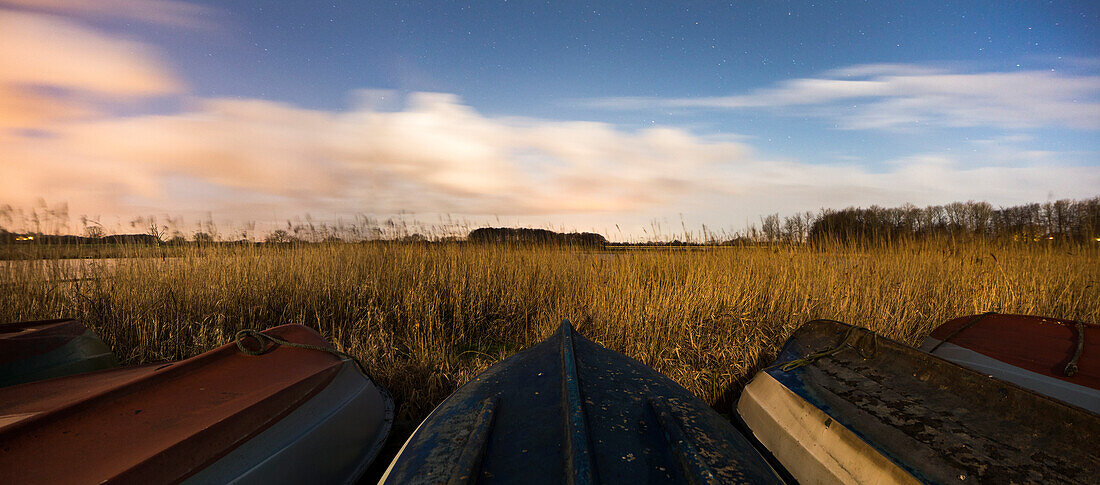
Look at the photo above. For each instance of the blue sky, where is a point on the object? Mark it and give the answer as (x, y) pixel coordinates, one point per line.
(564, 113)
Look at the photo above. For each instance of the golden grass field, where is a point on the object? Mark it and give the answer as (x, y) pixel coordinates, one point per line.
(426, 318)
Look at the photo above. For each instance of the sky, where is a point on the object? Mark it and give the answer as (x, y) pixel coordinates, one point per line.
(603, 117)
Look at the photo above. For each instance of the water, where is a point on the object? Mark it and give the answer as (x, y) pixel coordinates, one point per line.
(57, 270)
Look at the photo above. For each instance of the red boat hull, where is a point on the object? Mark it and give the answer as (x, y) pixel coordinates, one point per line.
(158, 423)
(1038, 350)
(32, 351)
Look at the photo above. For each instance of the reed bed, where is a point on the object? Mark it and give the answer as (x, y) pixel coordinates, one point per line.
(424, 319)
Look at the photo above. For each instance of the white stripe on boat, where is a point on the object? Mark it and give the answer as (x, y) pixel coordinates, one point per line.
(401, 451)
(813, 447)
(1075, 394)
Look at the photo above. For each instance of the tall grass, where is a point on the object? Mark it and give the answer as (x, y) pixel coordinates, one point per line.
(426, 318)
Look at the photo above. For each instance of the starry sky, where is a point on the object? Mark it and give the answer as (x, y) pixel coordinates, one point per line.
(575, 115)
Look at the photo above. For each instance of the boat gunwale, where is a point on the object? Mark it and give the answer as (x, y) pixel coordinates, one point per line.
(928, 364)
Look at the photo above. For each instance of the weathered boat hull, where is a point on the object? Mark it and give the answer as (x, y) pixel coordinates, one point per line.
(570, 411)
(33, 351)
(877, 411)
(1030, 351)
(289, 415)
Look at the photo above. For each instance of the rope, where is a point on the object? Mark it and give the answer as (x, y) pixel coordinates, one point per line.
(853, 334)
(265, 339)
(960, 329)
(1071, 367)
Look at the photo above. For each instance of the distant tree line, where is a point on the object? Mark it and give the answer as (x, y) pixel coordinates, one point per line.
(483, 235)
(534, 236)
(1063, 220)
(12, 237)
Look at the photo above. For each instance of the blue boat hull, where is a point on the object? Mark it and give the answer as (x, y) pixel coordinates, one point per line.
(570, 411)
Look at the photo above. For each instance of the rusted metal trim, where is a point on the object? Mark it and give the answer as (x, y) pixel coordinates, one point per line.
(578, 456)
(468, 466)
(692, 465)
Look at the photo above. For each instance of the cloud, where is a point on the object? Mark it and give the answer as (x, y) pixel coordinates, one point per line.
(249, 158)
(24, 109)
(437, 154)
(885, 69)
(889, 96)
(56, 70)
(245, 159)
(61, 141)
(40, 50)
(161, 12)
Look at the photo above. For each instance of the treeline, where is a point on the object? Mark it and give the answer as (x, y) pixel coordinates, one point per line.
(521, 235)
(11, 237)
(1062, 220)
(281, 237)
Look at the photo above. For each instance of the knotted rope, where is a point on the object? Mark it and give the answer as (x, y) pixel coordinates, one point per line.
(1071, 367)
(851, 340)
(269, 342)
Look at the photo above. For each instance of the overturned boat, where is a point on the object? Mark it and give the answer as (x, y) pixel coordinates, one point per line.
(1059, 358)
(570, 411)
(842, 405)
(32, 351)
(279, 406)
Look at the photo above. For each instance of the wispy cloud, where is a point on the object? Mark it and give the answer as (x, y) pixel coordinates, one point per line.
(161, 12)
(435, 155)
(251, 157)
(55, 69)
(886, 96)
(247, 158)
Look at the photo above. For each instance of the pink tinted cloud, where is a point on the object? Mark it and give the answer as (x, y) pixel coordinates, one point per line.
(439, 155)
(163, 12)
(42, 50)
(56, 70)
(435, 154)
(249, 157)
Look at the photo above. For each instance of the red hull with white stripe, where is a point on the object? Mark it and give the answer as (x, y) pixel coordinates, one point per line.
(290, 415)
(1030, 351)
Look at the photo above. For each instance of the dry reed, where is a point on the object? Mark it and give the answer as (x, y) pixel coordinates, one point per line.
(426, 318)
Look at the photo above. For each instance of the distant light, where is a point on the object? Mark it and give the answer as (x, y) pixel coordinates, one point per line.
(1051, 237)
